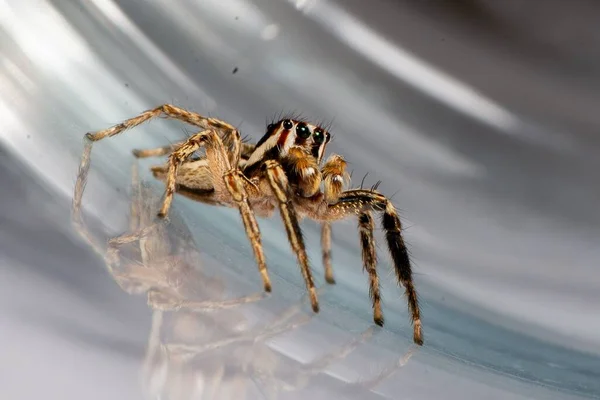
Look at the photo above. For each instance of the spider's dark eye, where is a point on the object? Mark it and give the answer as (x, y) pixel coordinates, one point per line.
(270, 127)
(319, 136)
(287, 124)
(303, 130)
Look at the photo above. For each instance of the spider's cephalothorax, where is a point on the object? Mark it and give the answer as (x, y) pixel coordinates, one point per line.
(299, 148)
(284, 170)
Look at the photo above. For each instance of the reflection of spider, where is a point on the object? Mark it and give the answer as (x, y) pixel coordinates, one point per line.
(156, 258)
(282, 170)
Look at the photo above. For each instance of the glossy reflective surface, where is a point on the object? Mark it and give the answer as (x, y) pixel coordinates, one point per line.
(481, 118)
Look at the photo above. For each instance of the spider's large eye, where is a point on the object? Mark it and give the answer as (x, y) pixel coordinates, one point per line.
(287, 124)
(319, 136)
(302, 130)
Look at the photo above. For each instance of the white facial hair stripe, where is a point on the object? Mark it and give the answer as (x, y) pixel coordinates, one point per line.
(259, 153)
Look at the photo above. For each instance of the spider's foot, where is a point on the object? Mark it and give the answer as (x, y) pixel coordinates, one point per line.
(378, 318)
(266, 279)
(313, 300)
(268, 287)
(330, 279)
(418, 335)
(137, 153)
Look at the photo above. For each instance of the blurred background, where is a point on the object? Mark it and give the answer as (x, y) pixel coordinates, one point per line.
(479, 116)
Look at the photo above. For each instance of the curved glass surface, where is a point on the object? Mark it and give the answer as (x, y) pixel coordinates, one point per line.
(479, 119)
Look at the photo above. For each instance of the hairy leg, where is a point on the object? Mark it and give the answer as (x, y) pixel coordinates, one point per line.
(225, 179)
(335, 177)
(356, 201)
(366, 228)
(165, 111)
(281, 189)
(156, 152)
(326, 248)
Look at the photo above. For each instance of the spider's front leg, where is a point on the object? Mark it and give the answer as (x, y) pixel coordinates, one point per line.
(225, 179)
(280, 187)
(366, 229)
(335, 178)
(360, 202)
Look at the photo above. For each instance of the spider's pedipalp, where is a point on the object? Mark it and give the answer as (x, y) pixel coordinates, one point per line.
(335, 177)
(302, 171)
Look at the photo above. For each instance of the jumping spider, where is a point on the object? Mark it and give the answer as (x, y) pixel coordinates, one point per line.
(283, 170)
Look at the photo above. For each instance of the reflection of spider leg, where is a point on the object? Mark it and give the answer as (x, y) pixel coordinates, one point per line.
(144, 232)
(283, 324)
(154, 356)
(76, 217)
(213, 383)
(159, 300)
(156, 152)
(271, 386)
(135, 208)
(109, 252)
(254, 336)
(317, 366)
(280, 325)
(370, 384)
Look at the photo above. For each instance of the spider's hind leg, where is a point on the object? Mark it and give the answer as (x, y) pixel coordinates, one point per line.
(226, 180)
(165, 111)
(156, 152)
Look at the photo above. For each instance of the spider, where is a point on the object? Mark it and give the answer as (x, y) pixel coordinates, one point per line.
(284, 170)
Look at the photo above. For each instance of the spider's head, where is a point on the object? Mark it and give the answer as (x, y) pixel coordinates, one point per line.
(293, 132)
(281, 136)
